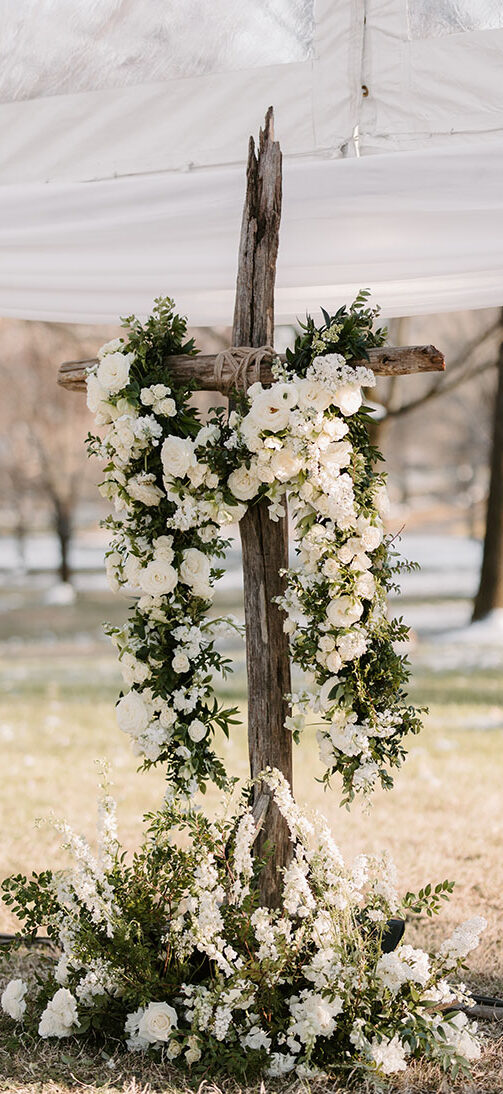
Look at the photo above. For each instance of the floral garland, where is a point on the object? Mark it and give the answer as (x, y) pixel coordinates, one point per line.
(171, 950)
(172, 953)
(176, 486)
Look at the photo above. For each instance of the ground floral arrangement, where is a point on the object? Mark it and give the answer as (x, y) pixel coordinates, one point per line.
(170, 950)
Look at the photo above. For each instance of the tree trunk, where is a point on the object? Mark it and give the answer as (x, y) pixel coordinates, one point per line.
(63, 529)
(265, 543)
(490, 592)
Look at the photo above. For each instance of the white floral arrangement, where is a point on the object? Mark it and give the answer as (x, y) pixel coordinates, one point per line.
(177, 485)
(171, 952)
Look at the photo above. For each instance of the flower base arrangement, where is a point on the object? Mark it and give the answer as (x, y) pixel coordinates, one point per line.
(170, 950)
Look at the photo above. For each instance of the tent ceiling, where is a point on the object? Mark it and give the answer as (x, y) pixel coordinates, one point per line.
(137, 114)
(60, 47)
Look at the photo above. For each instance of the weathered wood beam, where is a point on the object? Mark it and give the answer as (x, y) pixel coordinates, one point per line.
(264, 542)
(386, 361)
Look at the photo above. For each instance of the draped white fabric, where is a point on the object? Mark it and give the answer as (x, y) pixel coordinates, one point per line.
(124, 128)
(423, 229)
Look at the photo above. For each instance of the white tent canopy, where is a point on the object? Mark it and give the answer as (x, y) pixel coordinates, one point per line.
(124, 126)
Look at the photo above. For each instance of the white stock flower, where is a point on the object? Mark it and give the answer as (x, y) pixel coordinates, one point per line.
(257, 1038)
(243, 483)
(60, 1016)
(313, 1015)
(132, 714)
(113, 371)
(12, 1001)
(177, 455)
(158, 578)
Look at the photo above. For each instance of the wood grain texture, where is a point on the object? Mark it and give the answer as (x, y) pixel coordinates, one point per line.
(264, 542)
(386, 361)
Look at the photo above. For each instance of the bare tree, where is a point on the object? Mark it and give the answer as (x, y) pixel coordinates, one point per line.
(42, 452)
(472, 360)
(490, 592)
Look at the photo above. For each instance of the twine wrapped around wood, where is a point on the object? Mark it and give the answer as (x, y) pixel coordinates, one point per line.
(243, 363)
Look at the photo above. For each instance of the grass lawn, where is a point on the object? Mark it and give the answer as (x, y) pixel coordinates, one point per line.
(58, 682)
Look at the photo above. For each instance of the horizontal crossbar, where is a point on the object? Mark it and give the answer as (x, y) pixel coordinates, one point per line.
(384, 361)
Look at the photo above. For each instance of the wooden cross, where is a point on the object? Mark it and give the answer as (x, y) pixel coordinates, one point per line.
(264, 542)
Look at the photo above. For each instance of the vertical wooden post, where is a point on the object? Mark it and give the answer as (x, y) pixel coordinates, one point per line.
(265, 543)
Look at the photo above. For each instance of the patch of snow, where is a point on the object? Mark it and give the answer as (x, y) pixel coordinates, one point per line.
(61, 594)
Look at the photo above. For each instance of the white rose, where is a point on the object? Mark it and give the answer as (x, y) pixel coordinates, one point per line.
(59, 1016)
(177, 455)
(157, 1023)
(197, 730)
(285, 394)
(180, 662)
(143, 489)
(334, 428)
(12, 999)
(110, 347)
(270, 410)
(166, 408)
(365, 585)
(348, 397)
(342, 611)
(193, 1052)
(251, 433)
(370, 534)
(96, 396)
(203, 589)
(163, 548)
(243, 483)
(333, 661)
(132, 714)
(113, 371)
(381, 500)
(336, 455)
(131, 570)
(195, 568)
(158, 578)
(331, 568)
(285, 464)
(197, 473)
(313, 396)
